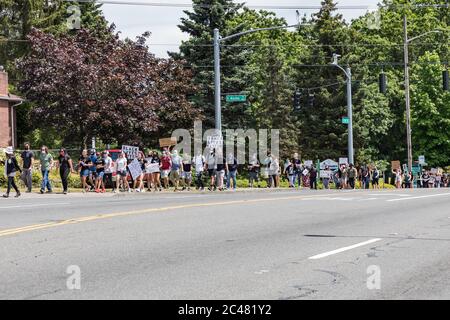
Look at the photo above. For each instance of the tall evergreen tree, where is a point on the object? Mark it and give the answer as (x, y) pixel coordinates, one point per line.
(198, 51)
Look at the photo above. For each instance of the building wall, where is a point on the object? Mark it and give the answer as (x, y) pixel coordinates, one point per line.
(5, 124)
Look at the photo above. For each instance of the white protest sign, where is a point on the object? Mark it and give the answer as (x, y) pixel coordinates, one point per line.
(421, 160)
(214, 142)
(135, 169)
(326, 173)
(305, 172)
(131, 152)
(332, 165)
(343, 161)
(308, 163)
(152, 167)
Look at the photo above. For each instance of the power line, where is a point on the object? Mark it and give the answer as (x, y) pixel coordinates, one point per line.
(266, 7)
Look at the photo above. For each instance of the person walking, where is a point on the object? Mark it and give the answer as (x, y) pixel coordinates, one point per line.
(398, 178)
(199, 162)
(46, 162)
(175, 170)
(93, 169)
(298, 168)
(166, 165)
(65, 165)
(352, 175)
(156, 175)
(186, 172)
(253, 171)
(375, 178)
(139, 182)
(211, 166)
(289, 172)
(109, 168)
(313, 178)
(326, 179)
(11, 167)
(100, 174)
(121, 172)
(365, 177)
(84, 163)
(232, 165)
(27, 167)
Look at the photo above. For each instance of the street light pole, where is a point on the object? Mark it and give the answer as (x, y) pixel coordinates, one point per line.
(217, 84)
(217, 93)
(407, 89)
(348, 75)
(407, 94)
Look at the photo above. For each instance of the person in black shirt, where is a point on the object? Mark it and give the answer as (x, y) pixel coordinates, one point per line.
(186, 173)
(11, 166)
(27, 158)
(65, 168)
(100, 169)
(84, 163)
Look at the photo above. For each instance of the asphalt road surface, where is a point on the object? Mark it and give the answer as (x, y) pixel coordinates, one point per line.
(285, 244)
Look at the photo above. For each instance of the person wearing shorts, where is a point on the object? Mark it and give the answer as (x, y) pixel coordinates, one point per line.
(121, 171)
(253, 171)
(211, 166)
(186, 173)
(84, 164)
(100, 169)
(199, 162)
(166, 164)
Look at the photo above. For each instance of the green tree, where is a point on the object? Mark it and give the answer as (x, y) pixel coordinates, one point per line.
(430, 111)
(198, 51)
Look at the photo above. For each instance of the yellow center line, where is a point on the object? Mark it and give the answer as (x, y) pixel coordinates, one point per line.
(8, 232)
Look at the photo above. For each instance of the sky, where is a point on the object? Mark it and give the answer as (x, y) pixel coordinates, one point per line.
(162, 22)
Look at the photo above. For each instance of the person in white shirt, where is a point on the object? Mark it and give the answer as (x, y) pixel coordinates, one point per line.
(199, 162)
(121, 171)
(109, 168)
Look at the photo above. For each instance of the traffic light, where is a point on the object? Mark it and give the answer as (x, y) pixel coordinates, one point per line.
(297, 100)
(446, 82)
(383, 83)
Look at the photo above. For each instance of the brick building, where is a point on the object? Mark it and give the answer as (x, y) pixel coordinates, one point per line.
(8, 102)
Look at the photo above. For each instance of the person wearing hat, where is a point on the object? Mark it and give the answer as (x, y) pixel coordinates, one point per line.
(11, 166)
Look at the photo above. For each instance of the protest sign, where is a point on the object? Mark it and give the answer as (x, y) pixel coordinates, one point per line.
(343, 161)
(308, 163)
(152, 167)
(130, 151)
(332, 165)
(167, 142)
(135, 169)
(326, 174)
(396, 165)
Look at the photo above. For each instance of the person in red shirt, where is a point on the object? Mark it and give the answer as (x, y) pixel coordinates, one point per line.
(166, 164)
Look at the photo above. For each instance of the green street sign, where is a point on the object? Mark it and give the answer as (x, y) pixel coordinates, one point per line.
(236, 98)
(345, 120)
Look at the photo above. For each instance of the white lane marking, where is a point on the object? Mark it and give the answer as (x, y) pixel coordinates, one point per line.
(261, 271)
(329, 253)
(421, 197)
(36, 205)
(392, 194)
(368, 199)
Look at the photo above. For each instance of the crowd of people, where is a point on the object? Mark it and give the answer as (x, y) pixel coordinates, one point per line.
(97, 172)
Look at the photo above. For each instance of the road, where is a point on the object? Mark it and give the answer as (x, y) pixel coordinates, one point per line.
(284, 244)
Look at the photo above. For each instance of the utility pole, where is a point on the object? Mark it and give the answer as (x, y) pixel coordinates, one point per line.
(217, 90)
(348, 75)
(407, 93)
(407, 41)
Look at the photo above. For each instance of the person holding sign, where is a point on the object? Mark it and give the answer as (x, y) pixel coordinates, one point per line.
(155, 161)
(166, 165)
(121, 170)
(139, 181)
(186, 172)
